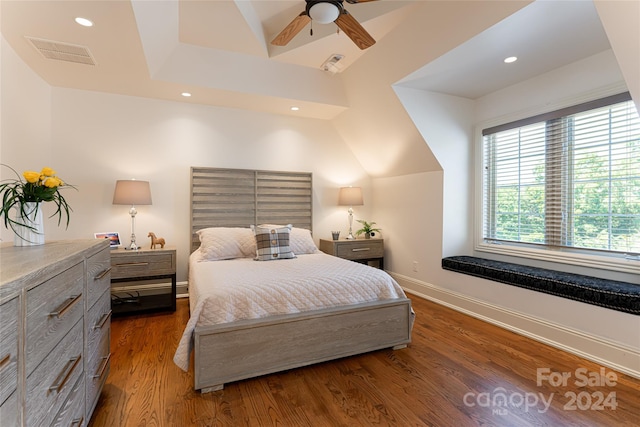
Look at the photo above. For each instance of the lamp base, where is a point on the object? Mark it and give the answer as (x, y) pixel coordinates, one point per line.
(133, 246)
(350, 235)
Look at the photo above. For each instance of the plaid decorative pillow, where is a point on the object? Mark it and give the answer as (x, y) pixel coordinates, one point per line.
(272, 243)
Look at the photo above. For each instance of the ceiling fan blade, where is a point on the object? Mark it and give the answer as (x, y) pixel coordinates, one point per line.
(356, 32)
(291, 30)
(358, 1)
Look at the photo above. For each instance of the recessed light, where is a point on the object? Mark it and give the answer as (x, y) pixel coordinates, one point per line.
(295, 108)
(186, 94)
(84, 22)
(510, 59)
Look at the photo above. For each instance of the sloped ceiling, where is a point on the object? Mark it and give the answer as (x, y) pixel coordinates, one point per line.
(220, 51)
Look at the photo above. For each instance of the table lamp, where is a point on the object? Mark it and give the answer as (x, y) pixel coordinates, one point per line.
(350, 196)
(132, 192)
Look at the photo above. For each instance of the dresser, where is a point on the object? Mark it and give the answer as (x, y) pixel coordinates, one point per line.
(55, 328)
(365, 251)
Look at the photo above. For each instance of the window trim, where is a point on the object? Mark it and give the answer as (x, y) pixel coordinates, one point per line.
(620, 263)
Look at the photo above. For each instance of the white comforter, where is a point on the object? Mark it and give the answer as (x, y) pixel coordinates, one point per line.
(226, 291)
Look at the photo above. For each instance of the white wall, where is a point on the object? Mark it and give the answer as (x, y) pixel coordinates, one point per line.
(92, 139)
(408, 209)
(26, 114)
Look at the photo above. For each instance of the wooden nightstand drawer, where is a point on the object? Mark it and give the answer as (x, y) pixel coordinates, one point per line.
(363, 251)
(141, 264)
(360, 250)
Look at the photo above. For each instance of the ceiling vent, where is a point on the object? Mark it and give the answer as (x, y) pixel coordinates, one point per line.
(62, 51)
(331, 64)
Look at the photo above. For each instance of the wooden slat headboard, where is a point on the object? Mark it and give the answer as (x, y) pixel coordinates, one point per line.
(241, 197)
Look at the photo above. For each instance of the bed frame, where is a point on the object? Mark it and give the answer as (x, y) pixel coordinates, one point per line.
(249, 348)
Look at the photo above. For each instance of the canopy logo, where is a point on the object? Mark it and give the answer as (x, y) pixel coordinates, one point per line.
(500, 401)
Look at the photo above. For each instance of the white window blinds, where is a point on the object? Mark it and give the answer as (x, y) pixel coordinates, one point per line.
(569, 179)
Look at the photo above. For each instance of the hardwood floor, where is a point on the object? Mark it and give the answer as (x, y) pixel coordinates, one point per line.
(458, 371)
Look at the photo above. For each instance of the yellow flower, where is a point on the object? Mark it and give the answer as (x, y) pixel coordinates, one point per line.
(52, 182)
(31, 177)
(43, 186)
(48, 172)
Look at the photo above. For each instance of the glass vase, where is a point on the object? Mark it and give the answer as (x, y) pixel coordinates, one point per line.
(32, 217)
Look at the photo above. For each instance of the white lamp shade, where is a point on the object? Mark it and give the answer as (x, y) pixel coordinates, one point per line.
(324, 13)
(350, 196)
(132, 192)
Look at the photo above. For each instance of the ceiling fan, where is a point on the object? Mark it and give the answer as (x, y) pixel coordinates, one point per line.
(325, 12)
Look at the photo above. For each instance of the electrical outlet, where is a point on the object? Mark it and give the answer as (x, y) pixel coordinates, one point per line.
(415, 266)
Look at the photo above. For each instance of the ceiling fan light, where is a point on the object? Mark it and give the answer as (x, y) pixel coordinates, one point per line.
(324, 13)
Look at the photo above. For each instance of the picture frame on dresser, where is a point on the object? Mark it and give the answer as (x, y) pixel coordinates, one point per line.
(112, 236)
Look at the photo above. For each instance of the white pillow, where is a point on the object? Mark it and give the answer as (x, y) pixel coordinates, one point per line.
(219, 243)
(302, 242)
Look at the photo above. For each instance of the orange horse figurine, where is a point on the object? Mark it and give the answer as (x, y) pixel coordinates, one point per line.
(156, 241)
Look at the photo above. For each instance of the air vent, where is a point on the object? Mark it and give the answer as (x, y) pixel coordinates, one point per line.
(331, 64)
(61, 51)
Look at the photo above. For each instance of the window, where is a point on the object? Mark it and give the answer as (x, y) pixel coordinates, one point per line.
(566, 180)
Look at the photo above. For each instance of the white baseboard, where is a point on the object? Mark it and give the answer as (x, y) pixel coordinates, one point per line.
(606, 353)
(182, 289)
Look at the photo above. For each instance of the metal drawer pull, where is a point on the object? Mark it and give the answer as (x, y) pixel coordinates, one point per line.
(101, 275)
(77, 422)
(132, 264)
(102, 320)
(360, 249)
(103, 367)
(5, 361)
(65, 306)
(63, 377)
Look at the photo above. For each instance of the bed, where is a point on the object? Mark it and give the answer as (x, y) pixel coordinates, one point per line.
(254, 317)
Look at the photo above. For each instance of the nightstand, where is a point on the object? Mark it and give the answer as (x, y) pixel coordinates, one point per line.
(360, 250)
(143, 280)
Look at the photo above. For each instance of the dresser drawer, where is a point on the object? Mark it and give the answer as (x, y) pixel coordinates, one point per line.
(10, 411)
(51, 383)
(97, 370)
(98, 277)
(360, 249)
(72, 412)
(53, 307)
(144, 264)
(8, 348)
(98, 322)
